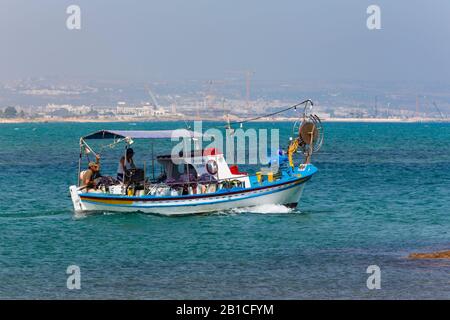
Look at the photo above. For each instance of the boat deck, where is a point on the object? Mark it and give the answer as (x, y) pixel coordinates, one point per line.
(286, 177)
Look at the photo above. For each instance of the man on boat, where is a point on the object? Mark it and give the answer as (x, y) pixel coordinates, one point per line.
(89, 176)
(126, 163)
(189, 177)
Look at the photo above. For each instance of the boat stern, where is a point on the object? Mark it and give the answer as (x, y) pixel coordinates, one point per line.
(76, 201)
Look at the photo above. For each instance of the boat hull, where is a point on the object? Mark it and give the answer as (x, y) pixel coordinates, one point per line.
(287, 193)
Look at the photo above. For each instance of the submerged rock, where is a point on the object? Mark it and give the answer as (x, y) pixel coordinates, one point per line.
(431, 255)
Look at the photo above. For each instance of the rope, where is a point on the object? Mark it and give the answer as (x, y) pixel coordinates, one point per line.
(270, 114)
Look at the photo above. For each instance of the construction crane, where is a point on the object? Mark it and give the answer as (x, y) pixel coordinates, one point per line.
(210, 96)
(417, 106)
(376, 107)
(248, 77)
(439, 110)
(152, 96)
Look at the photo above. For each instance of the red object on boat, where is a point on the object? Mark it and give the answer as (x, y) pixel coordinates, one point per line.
(210, 152)
(234, 169)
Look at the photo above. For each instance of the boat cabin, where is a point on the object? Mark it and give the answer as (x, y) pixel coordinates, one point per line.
(206, 165)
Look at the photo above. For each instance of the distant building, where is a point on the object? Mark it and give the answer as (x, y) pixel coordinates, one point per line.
(74, 110)
(145, 111)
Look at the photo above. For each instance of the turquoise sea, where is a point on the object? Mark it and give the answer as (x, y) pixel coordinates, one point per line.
(382, 192)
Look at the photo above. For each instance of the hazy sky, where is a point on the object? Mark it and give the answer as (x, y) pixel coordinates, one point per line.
(192, 39)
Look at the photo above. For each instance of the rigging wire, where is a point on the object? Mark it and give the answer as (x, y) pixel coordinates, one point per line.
(269, 114)
(228, 125)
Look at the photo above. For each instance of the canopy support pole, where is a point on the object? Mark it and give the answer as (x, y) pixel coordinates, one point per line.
(153, 164)
(79, 163)
(145, 169)
(125, 164)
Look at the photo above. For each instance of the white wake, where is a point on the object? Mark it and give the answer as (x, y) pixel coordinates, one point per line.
(264, 209)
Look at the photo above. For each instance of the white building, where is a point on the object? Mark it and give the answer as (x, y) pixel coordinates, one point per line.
(146, 110)
(76, 110)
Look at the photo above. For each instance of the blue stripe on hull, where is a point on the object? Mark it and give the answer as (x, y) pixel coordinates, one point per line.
(292, 185)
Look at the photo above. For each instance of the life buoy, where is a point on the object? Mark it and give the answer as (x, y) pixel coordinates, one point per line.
(211, 167)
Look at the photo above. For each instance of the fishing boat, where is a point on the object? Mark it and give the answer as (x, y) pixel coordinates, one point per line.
(200, 181)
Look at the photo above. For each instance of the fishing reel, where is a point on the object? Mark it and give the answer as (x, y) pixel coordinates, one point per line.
(309, 134)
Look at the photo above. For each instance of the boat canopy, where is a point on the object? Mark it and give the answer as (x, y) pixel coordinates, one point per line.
(142, 134)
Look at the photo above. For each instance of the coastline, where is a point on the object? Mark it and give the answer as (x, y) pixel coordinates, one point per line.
(81, 120)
